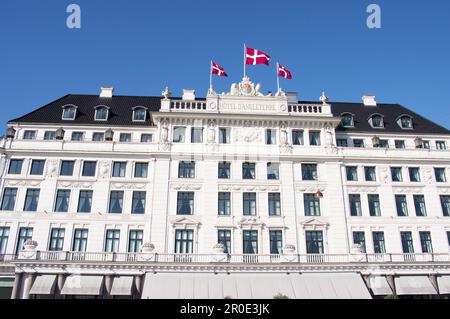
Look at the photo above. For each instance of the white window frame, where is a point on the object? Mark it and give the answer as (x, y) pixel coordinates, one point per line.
(382, 121)
(107, 113)
(74, 114)
(352, 125)
(139, 108)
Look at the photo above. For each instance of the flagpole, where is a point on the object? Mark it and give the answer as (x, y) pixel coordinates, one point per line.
(278, 78)
(245, 60)
(210, 76)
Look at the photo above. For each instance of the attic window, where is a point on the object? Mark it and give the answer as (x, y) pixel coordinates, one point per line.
(347, 120)
(376, 121)
(101, 113)
(405, 122)
(139, 114)
(69, 112)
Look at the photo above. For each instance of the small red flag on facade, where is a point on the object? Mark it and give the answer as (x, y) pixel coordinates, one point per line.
(218, 70)
(283, 72)
(254, 57)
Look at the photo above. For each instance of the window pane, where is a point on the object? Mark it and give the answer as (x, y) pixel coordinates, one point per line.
(77, 136)
(224, 238)
(197, 135)
(297, 137)
(352, 173)
(309, 172)
(89, 169)
(56, 239)
(62, 201)
(407, 242)
(378, 243)
(98, 137)
(374, 205)
(29, 135)
(69, 113)
(85, 202)
(4, 236)
(101, 114)
(312, 205)
(139, 115)
(249, 201)
(135, 242)
(224, 203)
(440, 175)
(445, 202)
(37, 167)
(419, 203)
(355, 205)
(314, 242)
(15, 167)
(358, 143)
(276, 242)
(273, 171)
(425, 241)
(274, 204)
(25, 233)
(314, 138)
(67, 168)
(125, 137)
(185, 203)
(146, 138)
(396, 173)
(49, 136)
(250, 242)
(31, 200)
(248, 170)
(359, 238)
(271, 137)
(402, 206)
(414, 174)
(116, 202)
(370, 174)
(138, 205)
(179, 134)
(224, 136)
(80, 240)
(224, 170)
(186, 170)
(9, 199)
(141, 170)
(112, 241)
(119, 169)
(184, 242)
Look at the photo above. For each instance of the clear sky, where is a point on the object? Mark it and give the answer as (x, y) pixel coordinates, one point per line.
(140, 46)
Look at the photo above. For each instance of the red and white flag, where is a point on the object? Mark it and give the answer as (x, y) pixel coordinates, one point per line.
(254, 57)
(216, 69)
(283, 72)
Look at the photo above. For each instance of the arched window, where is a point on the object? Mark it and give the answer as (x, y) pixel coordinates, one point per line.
(376, 121)
(101, 113)
(347, 120)
(69, 112)
(405, 122)
(139, 114)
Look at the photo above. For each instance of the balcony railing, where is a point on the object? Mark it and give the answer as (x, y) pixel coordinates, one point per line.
(131, 258)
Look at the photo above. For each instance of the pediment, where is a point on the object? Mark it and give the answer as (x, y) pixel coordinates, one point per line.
(185, 221)
(315, 223)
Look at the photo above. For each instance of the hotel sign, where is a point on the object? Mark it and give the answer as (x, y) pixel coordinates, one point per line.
(248, 107)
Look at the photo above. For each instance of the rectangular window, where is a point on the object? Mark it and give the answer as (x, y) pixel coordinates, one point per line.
(146, 138)
(119, 169)
(445, 203)
(29, 135)
(425, 242)
(25, 233)
(384, 144)
(273, 171)
(314, 242)
(62, 201)
(250, 242)
(248, 170)
(352, 173)
(224, 238)
(400, 144)
(396, 173)
(85, 201)
(112, 241)
(407, 242)
(309, 172)
(224, 135)
(249, 201)
(89, 168)
(67, 168)
(15, 167)
(37, 167)
(135, 241)
(224, 203)
(359, 143)
(98, 137)
(9, 199)
(80, 237)
(440, 145)
(184, 241)
(125, 137)
(426, 145)
(355, 205)
(440, 175)
(141, 170)
(342, 142)
(56, 239)
(197, 135)
(274, 204)
(116, 202)
(402, 205)
(312, 205)
(31, 200)
(185, 203)
(359, 238)
(138, 204)
(379, 245)
(276, 242)
(448, 238)
(414, 174)
(224, 170)
(374, 205)
(186, 170)
(297, 137)
(49, 135)
(314, 138)
(271, 137)
(77, 136)
(4, 235)
(419, 204)
(179, 134)
(370, 174)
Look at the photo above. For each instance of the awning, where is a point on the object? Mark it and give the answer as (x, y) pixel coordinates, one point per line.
(379, 286)
(254, 286)
(122, 286)
(444, 285)
(43, 285)
(414, 285)
(83, 285)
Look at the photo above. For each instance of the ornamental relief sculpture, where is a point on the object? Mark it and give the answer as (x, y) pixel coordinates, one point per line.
(185, 187)
(52, 168)
(261, 188)
(128, 185)
(248, 133)
(104, 168)
(71, 184)
(29, 183)
(164, 144)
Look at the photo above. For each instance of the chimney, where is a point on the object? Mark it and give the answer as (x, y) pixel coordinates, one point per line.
(188, 94)
(106, 92)
(369, 100)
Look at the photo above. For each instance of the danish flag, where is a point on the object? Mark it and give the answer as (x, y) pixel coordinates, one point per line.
(216, 69)
(254, 57)
(283, 72)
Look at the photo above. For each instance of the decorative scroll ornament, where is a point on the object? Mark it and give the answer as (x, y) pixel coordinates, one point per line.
(128, 186)
(52, 168)
(29, 183)
(248, 133)
(104, 169)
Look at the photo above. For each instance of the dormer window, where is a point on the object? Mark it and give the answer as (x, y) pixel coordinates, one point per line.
(347, 120)
(69, 112)
(101, 113)
(139, 114)
(376, 121)
(405, 122)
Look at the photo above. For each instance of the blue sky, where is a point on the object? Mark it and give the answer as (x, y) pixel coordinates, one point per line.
(141, 46)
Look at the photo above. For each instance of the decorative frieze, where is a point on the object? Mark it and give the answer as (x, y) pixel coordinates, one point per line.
(248, 188)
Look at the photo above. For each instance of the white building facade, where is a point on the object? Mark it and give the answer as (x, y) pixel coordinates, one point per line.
(108, 196)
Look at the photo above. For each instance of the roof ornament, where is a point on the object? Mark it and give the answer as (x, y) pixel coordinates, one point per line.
(166, 93)
(324, 98)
